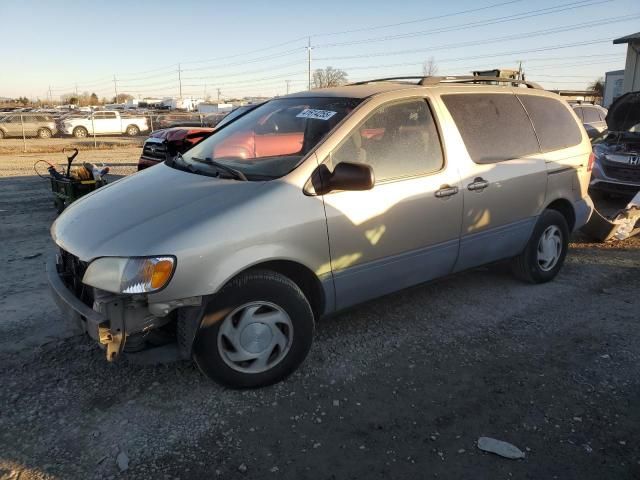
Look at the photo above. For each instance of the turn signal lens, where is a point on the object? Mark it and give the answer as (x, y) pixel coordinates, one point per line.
(161, 273)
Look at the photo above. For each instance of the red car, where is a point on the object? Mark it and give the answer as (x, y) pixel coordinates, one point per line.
(166, 143)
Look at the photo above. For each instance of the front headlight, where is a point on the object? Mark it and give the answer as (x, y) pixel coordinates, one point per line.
(130, 275)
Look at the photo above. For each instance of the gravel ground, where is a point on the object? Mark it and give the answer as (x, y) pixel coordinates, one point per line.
(401, 387)
(15, 146)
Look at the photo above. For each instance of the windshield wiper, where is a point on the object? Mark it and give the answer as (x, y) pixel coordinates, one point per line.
(237, 174)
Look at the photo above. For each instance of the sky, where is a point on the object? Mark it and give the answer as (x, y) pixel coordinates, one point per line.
(251, 48)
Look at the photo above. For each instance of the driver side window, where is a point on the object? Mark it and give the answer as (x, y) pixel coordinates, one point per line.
(398, 140)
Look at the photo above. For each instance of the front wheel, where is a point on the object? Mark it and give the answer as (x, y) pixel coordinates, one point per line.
(80, 132)
(255, 332)
(546, 250)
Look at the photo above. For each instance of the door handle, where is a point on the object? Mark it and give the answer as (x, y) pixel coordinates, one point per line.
(446, 191)
(478, 184)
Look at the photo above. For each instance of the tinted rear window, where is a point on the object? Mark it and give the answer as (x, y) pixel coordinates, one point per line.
(494, 126)
(555, 126)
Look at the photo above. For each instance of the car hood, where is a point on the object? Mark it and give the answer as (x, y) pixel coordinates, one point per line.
(624, 112)
(136, 214)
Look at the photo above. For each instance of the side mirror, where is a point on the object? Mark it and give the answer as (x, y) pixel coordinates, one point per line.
(345, 176)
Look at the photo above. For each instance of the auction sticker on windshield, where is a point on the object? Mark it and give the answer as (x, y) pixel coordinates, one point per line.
(317, 114)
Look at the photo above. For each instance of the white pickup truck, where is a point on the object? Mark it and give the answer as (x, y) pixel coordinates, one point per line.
(104, 123)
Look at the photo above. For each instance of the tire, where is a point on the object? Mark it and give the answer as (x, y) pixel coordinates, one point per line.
(275, 339)
(133, 131)
(80, 132)
(546, 250)
(44, 133)
(1, 134)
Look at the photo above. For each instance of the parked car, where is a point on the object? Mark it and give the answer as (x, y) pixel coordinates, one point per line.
(34, 124)
(165, 143)
(317, 201)
(592, 116)
(617, 154)
(104, 123)
(183, 119)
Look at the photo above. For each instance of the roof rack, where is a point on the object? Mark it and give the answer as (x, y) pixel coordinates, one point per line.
(454, 79)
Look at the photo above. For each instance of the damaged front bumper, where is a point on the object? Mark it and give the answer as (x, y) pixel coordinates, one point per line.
(112, 318)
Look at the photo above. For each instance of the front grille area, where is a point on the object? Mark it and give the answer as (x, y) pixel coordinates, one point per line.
(155, 151)
(623, 173)
(71, 270)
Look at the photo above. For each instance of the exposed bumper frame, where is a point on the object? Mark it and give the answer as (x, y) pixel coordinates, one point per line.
(107, 331)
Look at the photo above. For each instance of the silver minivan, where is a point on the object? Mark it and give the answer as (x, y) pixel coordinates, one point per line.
(315, 202)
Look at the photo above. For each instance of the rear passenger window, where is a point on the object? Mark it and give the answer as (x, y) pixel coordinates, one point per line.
(591, 115)
(555, 126)
(494, 126)
(398, 140)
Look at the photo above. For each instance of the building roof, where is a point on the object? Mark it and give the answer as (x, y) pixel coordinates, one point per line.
(627, 38)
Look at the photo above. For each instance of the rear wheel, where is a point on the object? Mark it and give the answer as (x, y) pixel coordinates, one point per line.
(44, 133)
(133, 131)
(80, 132)
(546, 250)
(255, 332)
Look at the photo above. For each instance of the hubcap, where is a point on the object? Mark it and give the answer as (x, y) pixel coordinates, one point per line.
(255, 337)
(549, 248)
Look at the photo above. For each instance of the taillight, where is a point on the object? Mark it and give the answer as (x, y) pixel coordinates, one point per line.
(592, 159)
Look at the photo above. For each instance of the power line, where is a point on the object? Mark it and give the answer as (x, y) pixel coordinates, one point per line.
(426, 19)
(255, 80)
(244, 72)
(215, 59)
(242, 62)
(480, 23)
(536, 33)
(476, 57)
(493, 55)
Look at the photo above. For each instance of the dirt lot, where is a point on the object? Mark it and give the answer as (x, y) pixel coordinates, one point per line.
(54, 145)
(401, 387)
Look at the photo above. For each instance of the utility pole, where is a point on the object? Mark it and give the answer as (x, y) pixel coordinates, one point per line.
(115, 87)
(288, 82)
(77, 96)
(309, 63)
(50, 96)
(180, 80)
(520, 70)
(218, 95)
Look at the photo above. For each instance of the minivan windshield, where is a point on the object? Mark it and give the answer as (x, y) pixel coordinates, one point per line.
(271, 140)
